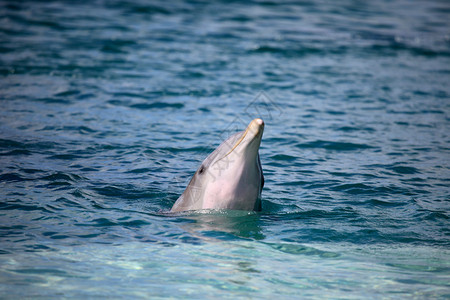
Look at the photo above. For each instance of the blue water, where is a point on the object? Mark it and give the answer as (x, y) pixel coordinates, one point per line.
(108, 108)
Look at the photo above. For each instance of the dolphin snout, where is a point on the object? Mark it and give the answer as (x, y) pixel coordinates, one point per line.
(256, 126)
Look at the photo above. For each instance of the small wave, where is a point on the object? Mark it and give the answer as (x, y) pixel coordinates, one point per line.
(384, 203)
(283, 157)
(25, 145)
(294, 183)
(296, 249)
(65, 202)
(129, 192)
(191, 149)
(79, 129)
(394, 47)
(330, 145)
(191, 74)
(41, 271)
(292, 52)
(364, 189)
(157, 105)
(11, 177)
(53, 100)
(105, 222)
(67, 93)
(147, 9)
(116, 45)
(405, 170)
(139, 171)
(23, 207)
(353, 128)
(16, 152)
(338, 213)
(65, 156)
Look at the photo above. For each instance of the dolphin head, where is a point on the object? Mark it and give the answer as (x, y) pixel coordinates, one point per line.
(230, 177)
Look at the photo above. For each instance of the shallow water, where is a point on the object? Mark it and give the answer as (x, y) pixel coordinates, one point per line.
(108, 108)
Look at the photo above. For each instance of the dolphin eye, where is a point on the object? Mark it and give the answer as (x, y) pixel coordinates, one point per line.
(201, 170)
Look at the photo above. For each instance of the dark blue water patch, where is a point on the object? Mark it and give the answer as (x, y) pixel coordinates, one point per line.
(320, 184)
(67, 93)
(26, 145)
(102, 222)
(398, 169)
(129, 192)
(59, 185)
(60, 176)
(139, 171)
(38, 248)
(13, 232)
(130, 95)
(54, 100)
(282, 157)
(365, 189)
(191, 74)
(127, 222)
(335, 112)
(82, 129)
(23, 207)
(294, 183)
(395, 48)
(55, 235)
(349, 175)
(331, 145)
(68, 202)
(405, 170)
(418, 182)
(11, 177)
(353, 128)
(66, 157)
(437, 216)
(117, 45)
(296, 51)
(384, 203)
(17, 152)
(157, 105)
(201, 150)
(34, 23)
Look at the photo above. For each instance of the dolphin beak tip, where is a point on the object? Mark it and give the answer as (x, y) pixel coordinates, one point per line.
(259, 121)
(257, 125)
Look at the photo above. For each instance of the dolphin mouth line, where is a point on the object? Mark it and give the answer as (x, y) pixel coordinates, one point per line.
(249, 127)
(239, 141)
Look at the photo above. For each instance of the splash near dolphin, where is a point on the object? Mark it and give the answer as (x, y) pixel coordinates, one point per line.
(231, 177)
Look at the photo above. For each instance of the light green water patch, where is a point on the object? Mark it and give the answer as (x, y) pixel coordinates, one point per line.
(233, 270)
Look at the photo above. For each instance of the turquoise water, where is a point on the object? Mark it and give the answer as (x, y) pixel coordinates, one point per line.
(108, 108)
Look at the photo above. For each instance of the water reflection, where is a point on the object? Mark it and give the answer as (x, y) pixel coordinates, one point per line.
(223, 225)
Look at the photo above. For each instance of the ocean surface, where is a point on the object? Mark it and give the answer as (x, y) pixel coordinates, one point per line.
(107, 108)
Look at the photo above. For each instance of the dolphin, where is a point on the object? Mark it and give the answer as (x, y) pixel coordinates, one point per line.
(230, 177)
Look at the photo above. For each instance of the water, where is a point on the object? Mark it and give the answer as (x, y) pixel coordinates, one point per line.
(108, 107)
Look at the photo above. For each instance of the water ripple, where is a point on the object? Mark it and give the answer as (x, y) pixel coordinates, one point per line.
(108, 107)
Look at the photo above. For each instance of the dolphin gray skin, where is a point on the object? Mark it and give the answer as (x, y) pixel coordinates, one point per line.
(231, 177)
